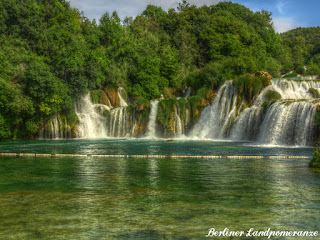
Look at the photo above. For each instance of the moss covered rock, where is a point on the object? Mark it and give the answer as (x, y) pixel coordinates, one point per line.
(263, 74)
(250, 86)
(112, 95)
(314, 92)
(272, 95)
(100, 96)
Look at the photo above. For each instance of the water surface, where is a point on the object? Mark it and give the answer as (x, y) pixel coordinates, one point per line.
(126, 198)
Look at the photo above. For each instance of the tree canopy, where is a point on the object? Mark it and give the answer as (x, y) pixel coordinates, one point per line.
(51, 54)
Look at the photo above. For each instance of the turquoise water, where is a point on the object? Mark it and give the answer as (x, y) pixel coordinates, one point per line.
(126, 198)
(150, 147)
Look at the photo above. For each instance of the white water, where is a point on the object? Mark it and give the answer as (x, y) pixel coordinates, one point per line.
(92, 123)
(216, 119)
(56, 128)
(152, 124)
(118, 124)
(290, 123)
(283, 123)
(294, 89)
(188, 93)
(286, 122)
(178, 129)
(123, 103)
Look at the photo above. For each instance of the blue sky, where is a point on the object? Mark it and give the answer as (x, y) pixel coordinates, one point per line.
(287, 14)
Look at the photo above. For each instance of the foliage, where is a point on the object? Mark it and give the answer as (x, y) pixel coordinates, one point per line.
(250, 86)
(272, 95)
(291, 75)
(315, 93)
(315, 162)
(197, 104)
(304, 48)
(51, 55)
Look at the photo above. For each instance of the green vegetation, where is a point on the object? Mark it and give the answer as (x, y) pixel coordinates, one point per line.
(315, 93)
(168, 108)
(303, 49)
(291, 75)
(272, 95)
(250, 86)
(315, 162)
(51, 55)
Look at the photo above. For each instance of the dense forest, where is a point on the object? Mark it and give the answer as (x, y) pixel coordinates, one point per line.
(51, 55)
(304, 44)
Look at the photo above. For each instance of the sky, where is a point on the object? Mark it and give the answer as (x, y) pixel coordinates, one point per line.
(286, 14)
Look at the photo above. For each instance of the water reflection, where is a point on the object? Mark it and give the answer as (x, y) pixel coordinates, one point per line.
(122, 198)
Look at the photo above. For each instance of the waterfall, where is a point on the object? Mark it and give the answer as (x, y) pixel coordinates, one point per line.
(123, 103)
(216, 119)
(56, 128)
(99, 121)
(178, 129)
(118, 123)
(289, 121)
(294, 89)
(188, 93)
(152, 124)
(247, 124)
(92, 123)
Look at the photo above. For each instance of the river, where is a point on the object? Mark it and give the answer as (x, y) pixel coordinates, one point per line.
(148, 198)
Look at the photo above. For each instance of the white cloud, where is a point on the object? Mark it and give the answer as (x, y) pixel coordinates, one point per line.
(96, 8)
(284, 24)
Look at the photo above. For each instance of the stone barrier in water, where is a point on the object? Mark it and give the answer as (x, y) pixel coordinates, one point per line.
(149, 156)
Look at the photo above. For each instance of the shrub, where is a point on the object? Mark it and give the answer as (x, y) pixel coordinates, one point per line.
(272, 95)
(315, 162)
(203, 92)
(291, 75)
(300, 69)
(250, 86)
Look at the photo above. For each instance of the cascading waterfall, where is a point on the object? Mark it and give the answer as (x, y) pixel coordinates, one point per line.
(188, 93)
(118, 123)
(294, 89)
(216, 119)
(178, 128)
(151, 128)
(92, 122)
(56, 128)
(95, 124)
(288, 121)
(123, 103)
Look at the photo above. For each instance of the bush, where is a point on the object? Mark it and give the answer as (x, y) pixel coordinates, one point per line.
(203, 92)
(291, 75)
(315, 162)
(272, 95)
(300, 69)
(250, 86)
(313, 69)
(5, 132)
(96, 96)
